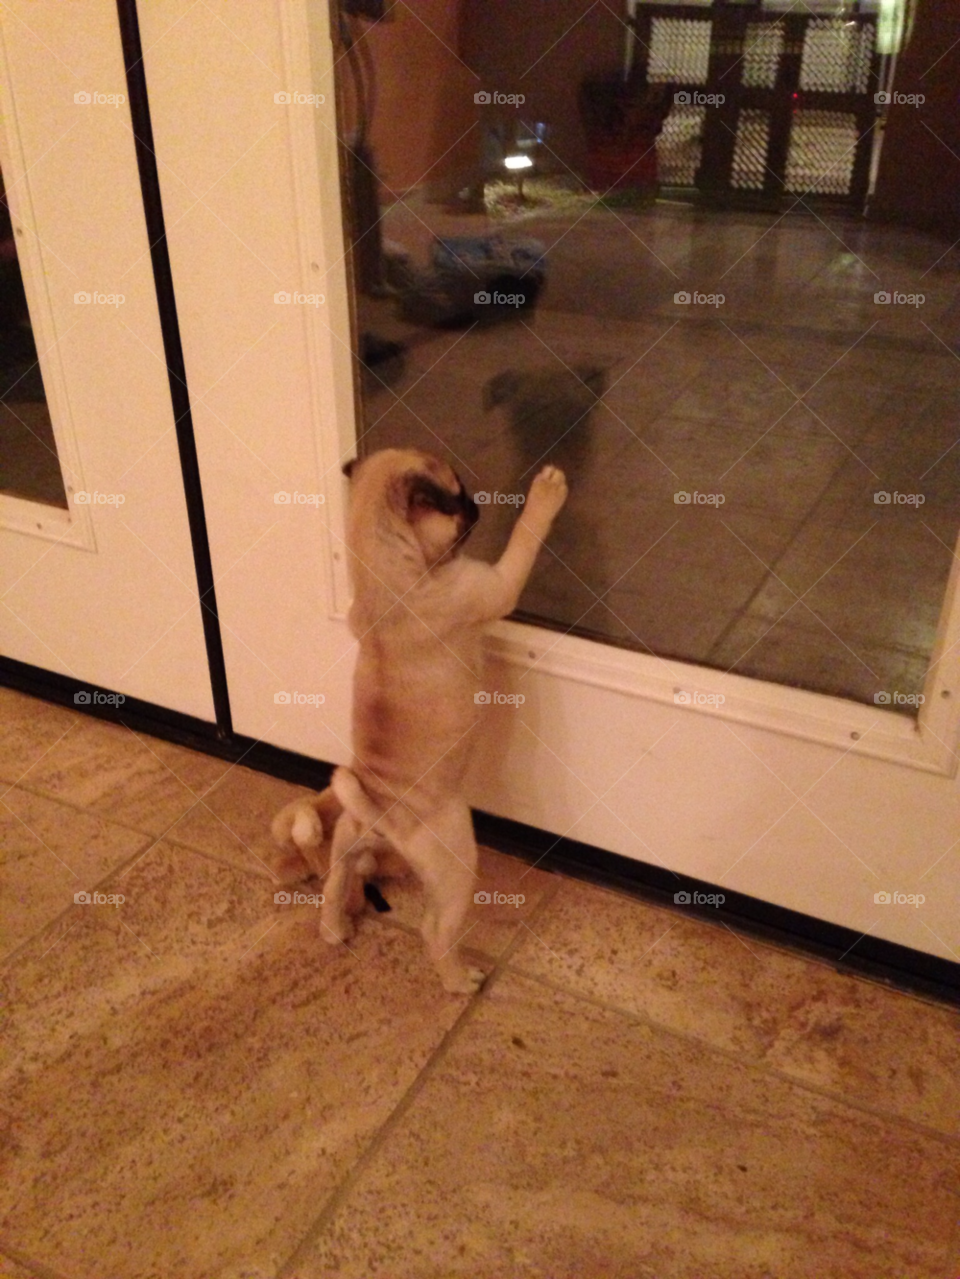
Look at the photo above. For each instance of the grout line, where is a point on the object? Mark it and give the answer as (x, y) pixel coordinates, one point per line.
(772, 569)
(378, 1140)
(581, 876)
(9, 960)
(85, 810)
(756, 933)
(748, 1063)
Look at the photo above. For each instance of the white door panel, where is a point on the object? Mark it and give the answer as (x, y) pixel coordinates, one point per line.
(805, 826)
(104, 591)
(808, 802)
(271, 386)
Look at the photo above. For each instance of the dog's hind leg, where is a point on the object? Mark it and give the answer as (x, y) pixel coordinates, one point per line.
(444, 855)
(339, 887)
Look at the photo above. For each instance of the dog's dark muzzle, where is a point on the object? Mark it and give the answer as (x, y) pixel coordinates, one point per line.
(469, 512)
(426, 493)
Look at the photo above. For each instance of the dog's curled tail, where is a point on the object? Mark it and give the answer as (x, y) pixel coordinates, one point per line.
(346, 786)
(298, 824)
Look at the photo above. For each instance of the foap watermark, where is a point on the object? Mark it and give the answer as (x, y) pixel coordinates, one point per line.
(483, 898)
(486, 98)
(299, 499)
(483, 298)
(898, 699)
(883, 498)
(499, 699)
(899, 899)
(499, 499)
(294, 99)
(682, 697)
(83, 298)
(885, 298)
(683, 498)
(83, 497)
(88, 697)
(899, 99)
(298, 699)
(699, 899)
(687, 98)
(84, 898)
(283, 898)
(85, 99)
(285, 298)
(683, 298)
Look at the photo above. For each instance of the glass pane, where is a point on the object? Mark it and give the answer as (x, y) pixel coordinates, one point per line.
(837, 8)
(760, 449)
(29, 466)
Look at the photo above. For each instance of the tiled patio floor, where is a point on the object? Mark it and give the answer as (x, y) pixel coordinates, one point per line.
(196, 1086)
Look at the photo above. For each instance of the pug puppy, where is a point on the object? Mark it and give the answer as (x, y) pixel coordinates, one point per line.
(419, 612)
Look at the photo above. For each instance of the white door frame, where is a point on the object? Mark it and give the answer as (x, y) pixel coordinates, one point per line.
(813, 803)
(104, 591)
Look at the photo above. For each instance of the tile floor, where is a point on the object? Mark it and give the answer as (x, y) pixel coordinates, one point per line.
(795, 401)
(196, 1086)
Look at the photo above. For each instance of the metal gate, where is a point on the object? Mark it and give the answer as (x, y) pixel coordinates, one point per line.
(768, 104)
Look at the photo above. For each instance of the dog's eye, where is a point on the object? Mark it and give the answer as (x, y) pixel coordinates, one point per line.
(427, 496)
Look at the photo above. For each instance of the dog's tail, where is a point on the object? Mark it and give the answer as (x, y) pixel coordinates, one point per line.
(305, 823)
(298, 824)
(346, 786)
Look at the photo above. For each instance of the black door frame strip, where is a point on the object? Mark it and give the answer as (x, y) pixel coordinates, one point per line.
(173, 352)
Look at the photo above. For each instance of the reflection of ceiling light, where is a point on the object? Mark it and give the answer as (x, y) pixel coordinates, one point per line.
(518, 162)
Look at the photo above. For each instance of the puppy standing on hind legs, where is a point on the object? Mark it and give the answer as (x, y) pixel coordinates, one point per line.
(419, 613)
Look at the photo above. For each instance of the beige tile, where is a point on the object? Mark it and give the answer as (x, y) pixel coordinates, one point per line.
(736, 392)
(509, 893)
(233, 821)
(31, 729)
(880, 585)
(127, 776)
(951, 1268)
(48, 852)
(559, 1139)
(813, 656)
(780, 472)
(853, 1037)
(677, 585)
(189, 1077)
(13, 1270)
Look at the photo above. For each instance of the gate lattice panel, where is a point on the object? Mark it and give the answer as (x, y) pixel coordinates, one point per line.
(798, 111)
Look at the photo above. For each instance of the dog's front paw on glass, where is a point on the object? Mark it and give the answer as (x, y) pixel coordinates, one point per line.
(548, 492)
(466, 981)
(336, 931)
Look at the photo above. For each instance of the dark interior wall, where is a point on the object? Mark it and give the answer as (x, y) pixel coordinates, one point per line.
(424, 106)
(431, 59)
(919, 179)
(543, 49)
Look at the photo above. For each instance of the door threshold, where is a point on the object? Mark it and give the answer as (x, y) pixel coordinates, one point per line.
(850, 953)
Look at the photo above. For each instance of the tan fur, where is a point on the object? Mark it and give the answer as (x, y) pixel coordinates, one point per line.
(419, 613)
(303, 833)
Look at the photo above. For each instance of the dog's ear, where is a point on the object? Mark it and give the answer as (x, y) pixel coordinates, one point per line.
(348, 467)
(500, 387)
(398, 493)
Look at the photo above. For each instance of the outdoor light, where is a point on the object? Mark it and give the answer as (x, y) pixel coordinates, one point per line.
(518, 164)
